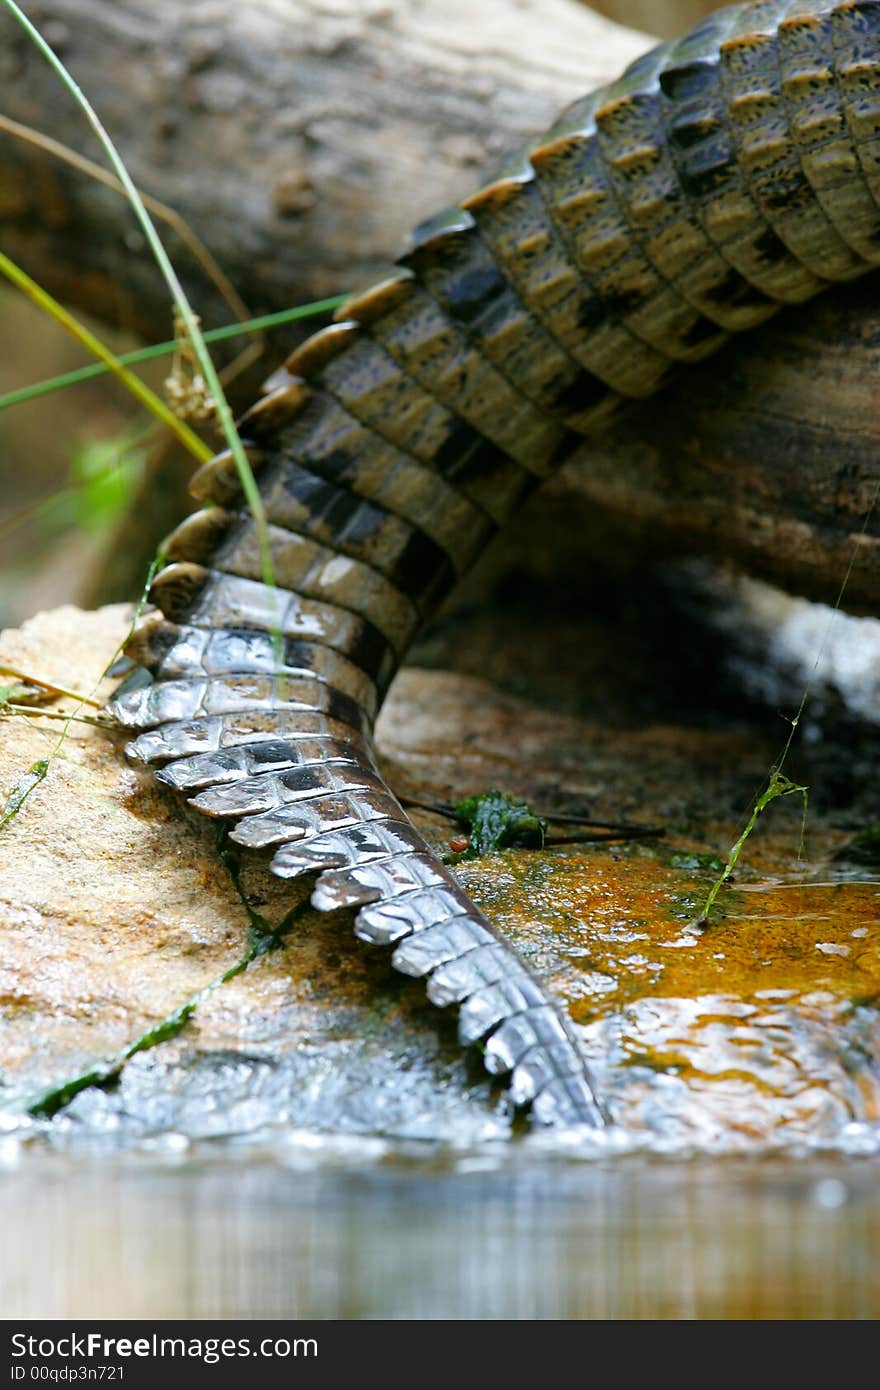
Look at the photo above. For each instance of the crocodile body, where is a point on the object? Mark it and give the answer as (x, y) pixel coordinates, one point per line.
(722, 177)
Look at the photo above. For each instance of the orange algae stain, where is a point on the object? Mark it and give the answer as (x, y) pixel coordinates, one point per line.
(764, 1024)
(635, 919)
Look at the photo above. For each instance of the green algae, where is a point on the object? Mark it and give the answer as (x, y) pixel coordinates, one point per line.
(495, 820)
(20, 693)
(692, 859)
(22, 789)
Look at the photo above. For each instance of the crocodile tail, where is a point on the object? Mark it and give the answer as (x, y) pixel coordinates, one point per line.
(262, 700)
(721, 177)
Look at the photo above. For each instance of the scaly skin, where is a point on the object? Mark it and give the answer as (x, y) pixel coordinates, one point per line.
(719, 179)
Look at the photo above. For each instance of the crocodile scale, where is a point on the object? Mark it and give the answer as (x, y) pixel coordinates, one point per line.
(723, 176)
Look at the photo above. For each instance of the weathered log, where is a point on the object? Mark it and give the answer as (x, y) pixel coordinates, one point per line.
(766, 455)
(299, 140)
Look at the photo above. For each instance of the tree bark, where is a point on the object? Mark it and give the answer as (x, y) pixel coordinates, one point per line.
(766, 455)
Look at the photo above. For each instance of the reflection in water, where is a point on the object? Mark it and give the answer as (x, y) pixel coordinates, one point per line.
(318, 1230)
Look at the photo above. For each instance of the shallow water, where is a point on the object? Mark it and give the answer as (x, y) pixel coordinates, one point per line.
(333, 1228)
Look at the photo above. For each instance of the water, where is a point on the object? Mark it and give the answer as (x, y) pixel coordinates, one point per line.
(326, 1228)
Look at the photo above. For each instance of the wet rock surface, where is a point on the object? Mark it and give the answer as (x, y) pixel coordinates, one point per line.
(116, 908)
(759, 1031)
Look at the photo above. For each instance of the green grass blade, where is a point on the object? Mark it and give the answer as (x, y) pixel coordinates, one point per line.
(147, 354)
(138, 388)
(184, 310)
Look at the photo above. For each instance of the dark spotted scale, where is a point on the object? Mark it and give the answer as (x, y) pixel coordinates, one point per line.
(722, 177)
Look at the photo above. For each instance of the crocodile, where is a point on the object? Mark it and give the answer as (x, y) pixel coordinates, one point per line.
(724, 176)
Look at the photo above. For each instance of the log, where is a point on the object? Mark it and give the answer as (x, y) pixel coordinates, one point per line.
(765, 456)
(299, 139)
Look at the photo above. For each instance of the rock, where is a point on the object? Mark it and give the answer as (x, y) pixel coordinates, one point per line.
(115, 908)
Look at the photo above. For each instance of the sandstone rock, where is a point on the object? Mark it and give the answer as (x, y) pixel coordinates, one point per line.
(115, 908)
